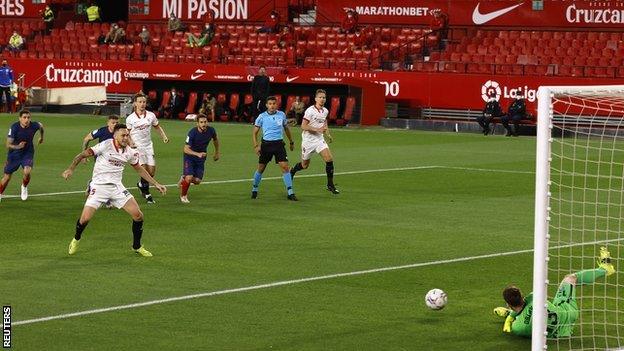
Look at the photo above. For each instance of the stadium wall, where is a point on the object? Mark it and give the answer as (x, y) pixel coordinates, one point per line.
(417, 89)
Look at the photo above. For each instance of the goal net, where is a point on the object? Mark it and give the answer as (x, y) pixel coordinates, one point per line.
(579, 208)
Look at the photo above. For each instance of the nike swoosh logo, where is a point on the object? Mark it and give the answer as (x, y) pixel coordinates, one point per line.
(481, 18)
(290, 79)
(195, 75)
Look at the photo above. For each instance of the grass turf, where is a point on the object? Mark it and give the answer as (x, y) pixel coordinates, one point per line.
(223, 240)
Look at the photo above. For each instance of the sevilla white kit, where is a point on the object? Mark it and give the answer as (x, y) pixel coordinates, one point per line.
(141, 133)
(107, 173)
(313, 142)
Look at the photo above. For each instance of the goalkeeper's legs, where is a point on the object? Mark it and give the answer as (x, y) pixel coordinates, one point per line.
(589, 276)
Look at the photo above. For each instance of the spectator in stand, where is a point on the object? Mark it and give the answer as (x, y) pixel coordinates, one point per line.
(208, 107)
(286, 38)
(16, 42)
(204, 38)
(175, 24)
(6, 79)
(174, 106)
(93, 13)
(271, 25)
(81, 9)
(349, 22)
(260, 90)
(492, 109)
(515, 113)
(297, 109)
(48, 18)
(144, 35)
(439, 24)
(115, 35)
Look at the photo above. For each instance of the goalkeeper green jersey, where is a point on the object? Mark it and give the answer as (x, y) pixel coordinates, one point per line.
(562, 314)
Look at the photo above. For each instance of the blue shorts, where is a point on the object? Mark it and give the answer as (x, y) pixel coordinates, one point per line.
(193, 167)
(15, 160)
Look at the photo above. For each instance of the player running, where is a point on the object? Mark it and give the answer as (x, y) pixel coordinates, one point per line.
(21, 151)
(273, 124)
(195, 155)
(314, 126)
(563, 311)
(112, 156)
(140, 123)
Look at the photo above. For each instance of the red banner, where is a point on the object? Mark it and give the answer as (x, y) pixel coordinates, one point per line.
(439, 90)
(508, 13)
(196, 10)
(20, 9)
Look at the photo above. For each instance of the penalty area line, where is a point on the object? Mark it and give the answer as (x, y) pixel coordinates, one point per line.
(365, 171)
(292, 282)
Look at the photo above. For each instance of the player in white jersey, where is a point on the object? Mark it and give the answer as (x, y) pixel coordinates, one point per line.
(314, 127)
(140, 123)
(112, 156)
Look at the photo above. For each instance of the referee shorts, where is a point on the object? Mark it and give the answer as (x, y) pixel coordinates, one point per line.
(269, 149)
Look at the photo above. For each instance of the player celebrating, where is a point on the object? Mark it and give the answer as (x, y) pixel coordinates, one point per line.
(562, 312)
(101, 134)
(195, 149)
(112, 156)
(139, 124)
(272, 123)
(314, 125)
(21, 151)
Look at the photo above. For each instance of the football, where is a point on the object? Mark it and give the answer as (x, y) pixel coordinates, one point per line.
(436, 299)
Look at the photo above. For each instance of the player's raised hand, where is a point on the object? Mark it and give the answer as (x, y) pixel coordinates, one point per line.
(67, 174)
(216, 156)
(161, 188)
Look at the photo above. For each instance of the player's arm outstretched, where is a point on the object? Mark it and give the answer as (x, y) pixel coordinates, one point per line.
(215, 142)
(40, 132)
(289, 135)
(326, 132)
(145, 175)
(254, 138)
(162, 133)
(77, 160)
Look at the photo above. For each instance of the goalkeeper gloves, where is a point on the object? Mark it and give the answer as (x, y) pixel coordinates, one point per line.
(507, 326)
(502, 311)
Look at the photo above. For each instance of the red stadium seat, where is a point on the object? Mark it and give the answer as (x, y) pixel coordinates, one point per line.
(348, 112)
(333, 109)
(190, 106)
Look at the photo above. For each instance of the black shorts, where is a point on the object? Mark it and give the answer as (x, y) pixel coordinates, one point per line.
(268, 149)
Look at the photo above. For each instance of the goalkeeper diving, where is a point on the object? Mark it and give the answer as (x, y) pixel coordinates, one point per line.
(563, 311)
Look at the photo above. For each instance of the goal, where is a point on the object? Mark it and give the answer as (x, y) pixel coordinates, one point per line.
(579, 207)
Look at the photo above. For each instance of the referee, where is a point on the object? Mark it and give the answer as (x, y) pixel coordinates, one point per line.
(272, 123)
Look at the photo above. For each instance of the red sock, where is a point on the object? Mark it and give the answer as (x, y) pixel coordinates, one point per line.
(26, 180)
(185, 186)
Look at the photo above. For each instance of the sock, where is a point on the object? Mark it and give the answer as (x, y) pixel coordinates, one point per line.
(288, 182)
(589, 276)
(256, 180)
(296, 169)
(137, 232)
(144, 186)
(184, 185)
(329, 169)
(79, 229)
(26, 180)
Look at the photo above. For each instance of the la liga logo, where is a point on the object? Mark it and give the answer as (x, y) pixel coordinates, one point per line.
(490, 91)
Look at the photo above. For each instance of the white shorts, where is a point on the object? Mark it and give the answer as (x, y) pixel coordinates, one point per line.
(100, 194)
(146, 157)
(308, 147)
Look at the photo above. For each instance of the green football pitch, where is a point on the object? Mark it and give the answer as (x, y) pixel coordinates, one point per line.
(417, 210)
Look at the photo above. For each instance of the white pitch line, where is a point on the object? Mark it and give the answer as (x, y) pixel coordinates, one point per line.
(291, 282)
(301, 176)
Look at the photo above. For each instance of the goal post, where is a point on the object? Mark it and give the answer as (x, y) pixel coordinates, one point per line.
(579, 206)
